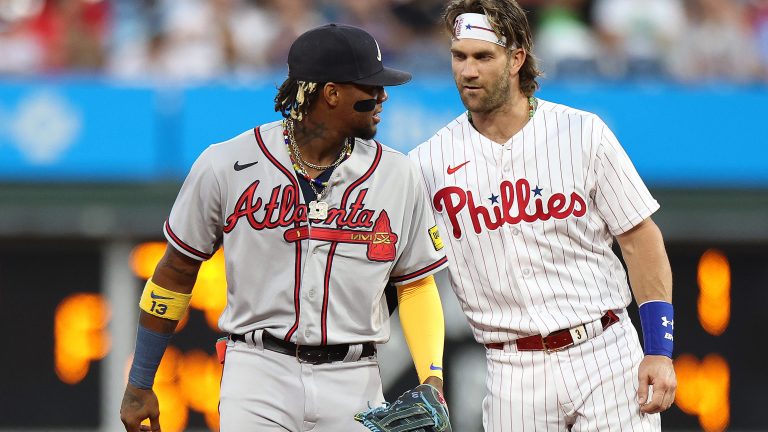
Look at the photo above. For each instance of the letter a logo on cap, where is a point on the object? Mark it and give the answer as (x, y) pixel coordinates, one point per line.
(378, 51)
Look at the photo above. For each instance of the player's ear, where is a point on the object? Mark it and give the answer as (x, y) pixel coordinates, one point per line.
(517, 59)
(331, 94)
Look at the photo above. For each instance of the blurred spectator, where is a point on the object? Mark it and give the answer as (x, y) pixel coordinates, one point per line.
(420, 37)
(204, 39)
(73, 34)
(20, 48)
(374, 16)
(137, 39)
(290, 18)
(200, 39)
(718, 43)
(207, 39)
(638, 36)
(759, 13)
(565, 44)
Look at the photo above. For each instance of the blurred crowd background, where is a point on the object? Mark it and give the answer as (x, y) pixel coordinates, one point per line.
(682, 40)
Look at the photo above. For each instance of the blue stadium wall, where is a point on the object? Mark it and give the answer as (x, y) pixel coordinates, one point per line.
(106, 131)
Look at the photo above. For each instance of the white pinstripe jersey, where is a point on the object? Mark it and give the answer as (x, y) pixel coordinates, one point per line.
(311, 284)
(528, 224)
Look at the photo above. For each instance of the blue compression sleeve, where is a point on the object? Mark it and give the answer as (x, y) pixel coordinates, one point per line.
(150, 347)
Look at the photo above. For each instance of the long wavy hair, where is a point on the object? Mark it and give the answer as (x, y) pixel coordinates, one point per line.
(508, 19)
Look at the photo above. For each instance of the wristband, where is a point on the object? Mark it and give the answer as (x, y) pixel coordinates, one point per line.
(163, 303)
(150, 347)
(657, 319)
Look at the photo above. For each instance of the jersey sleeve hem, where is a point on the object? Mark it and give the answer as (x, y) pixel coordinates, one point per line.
(183, 247)
(421, 273)
(631, 223)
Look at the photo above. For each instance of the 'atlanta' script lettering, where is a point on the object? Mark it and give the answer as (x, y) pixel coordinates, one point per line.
(453, 200)
(282, 210)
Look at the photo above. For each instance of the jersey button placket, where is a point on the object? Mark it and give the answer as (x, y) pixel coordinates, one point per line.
(498, 157)
(506, 160)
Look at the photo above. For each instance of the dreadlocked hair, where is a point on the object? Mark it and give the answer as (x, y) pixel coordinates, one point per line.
(507, 19)
(294, 98)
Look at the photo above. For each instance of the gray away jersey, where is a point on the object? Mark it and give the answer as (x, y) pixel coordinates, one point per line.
(312, 284)
(528, 224)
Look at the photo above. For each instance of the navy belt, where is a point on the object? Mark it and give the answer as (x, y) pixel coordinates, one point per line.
(309, 353)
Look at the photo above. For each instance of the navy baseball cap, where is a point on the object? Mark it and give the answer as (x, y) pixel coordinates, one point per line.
(340, 53)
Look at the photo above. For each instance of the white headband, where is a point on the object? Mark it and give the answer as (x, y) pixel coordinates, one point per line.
(476, 26)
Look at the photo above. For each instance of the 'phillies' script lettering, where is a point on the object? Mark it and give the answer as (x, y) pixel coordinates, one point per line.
(283, 210)
(453, 200)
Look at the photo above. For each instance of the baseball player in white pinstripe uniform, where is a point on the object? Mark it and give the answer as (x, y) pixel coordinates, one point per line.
(315, 218)
(529, 196)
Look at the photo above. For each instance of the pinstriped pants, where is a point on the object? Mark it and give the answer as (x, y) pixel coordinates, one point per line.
(588, 387)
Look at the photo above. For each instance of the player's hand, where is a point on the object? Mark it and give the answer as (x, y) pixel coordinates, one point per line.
(658, 371)
(137, 406)
(436, 383)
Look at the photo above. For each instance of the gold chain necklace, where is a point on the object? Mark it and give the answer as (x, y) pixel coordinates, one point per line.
(295, 147)
(317, 208)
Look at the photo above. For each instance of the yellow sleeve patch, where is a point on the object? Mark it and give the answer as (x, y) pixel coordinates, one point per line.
(434, 234)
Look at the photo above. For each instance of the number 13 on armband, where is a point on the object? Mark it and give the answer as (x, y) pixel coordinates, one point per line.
(158, 308)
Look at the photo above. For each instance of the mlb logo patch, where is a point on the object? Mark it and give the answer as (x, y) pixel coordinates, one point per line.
(434, 234)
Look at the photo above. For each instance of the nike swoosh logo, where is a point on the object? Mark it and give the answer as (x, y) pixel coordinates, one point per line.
(452, 170)
(433, 367)
(239, 167)
(159, 297)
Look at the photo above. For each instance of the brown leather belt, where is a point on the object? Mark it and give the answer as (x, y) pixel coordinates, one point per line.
(309, 353)
(558, 340)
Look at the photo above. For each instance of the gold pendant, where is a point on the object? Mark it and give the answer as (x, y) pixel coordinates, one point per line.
(318, 210)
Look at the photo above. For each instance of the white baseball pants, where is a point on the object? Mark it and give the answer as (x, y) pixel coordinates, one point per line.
(262, 390)
(588, 387)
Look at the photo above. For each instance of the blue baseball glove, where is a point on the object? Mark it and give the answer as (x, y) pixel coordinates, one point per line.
(422, 409)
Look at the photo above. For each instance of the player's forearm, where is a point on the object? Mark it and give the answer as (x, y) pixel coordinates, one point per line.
(651, 279)
(421, 316)
(647, 264)
(163, 303)
(160, 325)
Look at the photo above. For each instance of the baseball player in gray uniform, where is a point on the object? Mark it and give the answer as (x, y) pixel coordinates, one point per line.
(316, 218)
